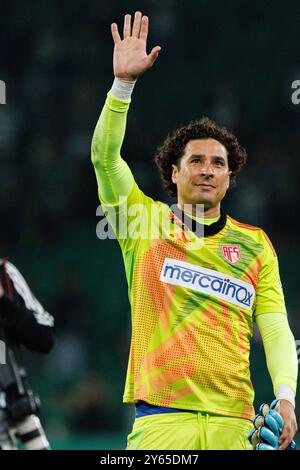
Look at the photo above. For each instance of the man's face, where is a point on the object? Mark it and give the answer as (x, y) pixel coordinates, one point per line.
(202, 176)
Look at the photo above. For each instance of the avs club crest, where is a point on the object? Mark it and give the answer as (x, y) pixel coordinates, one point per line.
(232, 253)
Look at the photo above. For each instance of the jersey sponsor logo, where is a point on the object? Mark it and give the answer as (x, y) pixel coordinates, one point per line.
(209, 282)
(232, 253)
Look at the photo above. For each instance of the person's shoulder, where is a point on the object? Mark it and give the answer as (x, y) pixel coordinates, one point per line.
(138, 194)
(244, 226)
(7, 266)
(254, 232)
(14, 273)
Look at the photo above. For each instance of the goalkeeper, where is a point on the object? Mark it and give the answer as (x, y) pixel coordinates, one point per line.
(197, 278)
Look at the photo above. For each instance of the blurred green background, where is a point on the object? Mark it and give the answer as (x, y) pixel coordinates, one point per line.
(233, 61)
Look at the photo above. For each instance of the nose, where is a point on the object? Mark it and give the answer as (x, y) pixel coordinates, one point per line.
(206, 170)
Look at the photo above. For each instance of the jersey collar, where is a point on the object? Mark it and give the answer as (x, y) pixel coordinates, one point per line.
(188, 223)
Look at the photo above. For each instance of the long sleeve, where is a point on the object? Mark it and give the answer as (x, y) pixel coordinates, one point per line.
(280, 350)
(114, 177)
(23, 318)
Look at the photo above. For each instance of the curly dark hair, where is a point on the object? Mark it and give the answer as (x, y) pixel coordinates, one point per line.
(174, 146)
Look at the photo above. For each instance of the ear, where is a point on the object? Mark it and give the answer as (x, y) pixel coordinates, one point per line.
(229, 173)
(174, 173)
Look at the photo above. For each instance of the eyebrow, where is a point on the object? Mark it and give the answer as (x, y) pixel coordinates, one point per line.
(195, 155)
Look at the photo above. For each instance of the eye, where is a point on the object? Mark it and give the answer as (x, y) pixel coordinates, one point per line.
(195, 160)
(219, 163)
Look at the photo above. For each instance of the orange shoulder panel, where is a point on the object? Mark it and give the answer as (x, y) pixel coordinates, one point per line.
(251, 227)
(239, 224)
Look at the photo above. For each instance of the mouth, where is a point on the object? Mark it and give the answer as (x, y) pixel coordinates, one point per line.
(205, 185)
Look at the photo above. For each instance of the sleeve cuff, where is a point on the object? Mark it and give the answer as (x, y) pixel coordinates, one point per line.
(122, 89)
(284, 392)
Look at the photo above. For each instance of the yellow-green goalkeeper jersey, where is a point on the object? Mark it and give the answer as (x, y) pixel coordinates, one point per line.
(193, 300)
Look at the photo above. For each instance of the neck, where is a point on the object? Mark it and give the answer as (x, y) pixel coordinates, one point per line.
(200, 210)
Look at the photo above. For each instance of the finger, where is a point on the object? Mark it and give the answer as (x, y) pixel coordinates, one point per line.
(127, 26)
(285, 443)
(264, 409)
(153, 55)
(272, 424)
(144, 28)
(263, 446)
(253, 437)
(292, 446)
(285, 438)
(278, 419)
(266, 436)
(115, 33)
(258, 421)
(137, 24)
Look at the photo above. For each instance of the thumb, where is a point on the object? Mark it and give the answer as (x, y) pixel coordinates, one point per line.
(153, 55)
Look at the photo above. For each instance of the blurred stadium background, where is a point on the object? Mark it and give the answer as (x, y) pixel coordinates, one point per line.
(233, 61)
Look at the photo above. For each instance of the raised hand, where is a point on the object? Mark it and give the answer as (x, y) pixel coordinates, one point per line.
(130, 55)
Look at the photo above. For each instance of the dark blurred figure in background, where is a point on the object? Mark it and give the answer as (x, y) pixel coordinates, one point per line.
(23, 321)
(89, 406)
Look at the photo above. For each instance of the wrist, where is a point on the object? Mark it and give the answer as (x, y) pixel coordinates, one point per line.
(284, 392)
(126, 80)
(122, 88)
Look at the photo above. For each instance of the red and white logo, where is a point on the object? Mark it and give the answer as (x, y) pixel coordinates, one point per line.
(232, 253)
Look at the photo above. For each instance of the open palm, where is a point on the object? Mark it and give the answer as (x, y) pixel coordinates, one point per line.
(130, 55)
